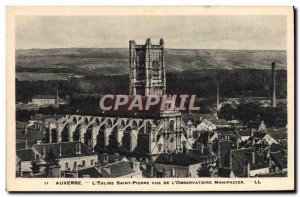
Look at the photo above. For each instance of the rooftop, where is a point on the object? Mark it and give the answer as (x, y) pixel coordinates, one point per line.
(43, 97)
(68, 149)
(26, 155)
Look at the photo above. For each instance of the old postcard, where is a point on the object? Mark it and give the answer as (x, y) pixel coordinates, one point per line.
(150, 99)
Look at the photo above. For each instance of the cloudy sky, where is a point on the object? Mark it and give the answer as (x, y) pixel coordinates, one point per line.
(181, 32)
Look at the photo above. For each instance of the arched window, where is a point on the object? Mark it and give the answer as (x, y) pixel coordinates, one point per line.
(148, 127)
(172, 140)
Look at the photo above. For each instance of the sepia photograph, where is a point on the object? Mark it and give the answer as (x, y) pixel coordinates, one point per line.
(138, 98)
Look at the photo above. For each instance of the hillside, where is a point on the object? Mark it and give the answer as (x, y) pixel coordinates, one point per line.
(60, 64)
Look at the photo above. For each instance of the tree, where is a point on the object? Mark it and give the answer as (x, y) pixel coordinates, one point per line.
(51, 161)
(203, 171)
(35, 167)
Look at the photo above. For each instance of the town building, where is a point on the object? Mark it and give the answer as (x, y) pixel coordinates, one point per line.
(43, 100)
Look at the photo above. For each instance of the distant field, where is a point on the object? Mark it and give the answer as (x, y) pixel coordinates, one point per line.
(60, 64)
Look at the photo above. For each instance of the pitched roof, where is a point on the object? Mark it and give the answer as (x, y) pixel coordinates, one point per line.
(89, 105)
(207, 116)
(279, 159)
(117, 169)
(207, 122)
(259, 135)
(203, 136)
(278, 135)
(43, 97)
(241, 157)
(179, 159)
(276, 147)
(91, 172)
(26, 155)
(68, 149)
(111, 158)
(219, 122)
(225, 147)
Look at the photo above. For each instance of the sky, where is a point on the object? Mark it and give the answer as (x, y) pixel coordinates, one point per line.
(179, 32)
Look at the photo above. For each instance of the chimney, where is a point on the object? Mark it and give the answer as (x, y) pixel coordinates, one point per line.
(247, 169)
(273, 88)
(79, 167)
(54, 172)
(107, 169)
(98, 167)
(253, 157)
(136, 166)
(60, 150)
(151, 170)
(79, 148)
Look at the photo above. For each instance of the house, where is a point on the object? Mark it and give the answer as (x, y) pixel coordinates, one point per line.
(203, 138)
(245, 134)
(111, 158)
(72, 156)
(182, 165)
(247, 162)
(23, 161)
(280, 137)
(278, 161)
(206, 125)
(257, 125)
(43, 100)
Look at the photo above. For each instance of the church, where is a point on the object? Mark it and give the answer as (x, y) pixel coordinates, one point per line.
(136, 133)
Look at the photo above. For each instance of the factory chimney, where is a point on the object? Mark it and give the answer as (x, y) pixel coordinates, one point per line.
(218, 97)
(273, 102)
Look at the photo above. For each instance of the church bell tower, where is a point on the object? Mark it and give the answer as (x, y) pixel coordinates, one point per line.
(147, 69)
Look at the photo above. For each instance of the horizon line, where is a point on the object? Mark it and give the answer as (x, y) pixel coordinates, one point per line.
(164, 48)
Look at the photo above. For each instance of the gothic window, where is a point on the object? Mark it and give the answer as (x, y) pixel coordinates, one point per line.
(172, 123)
(156, 70)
